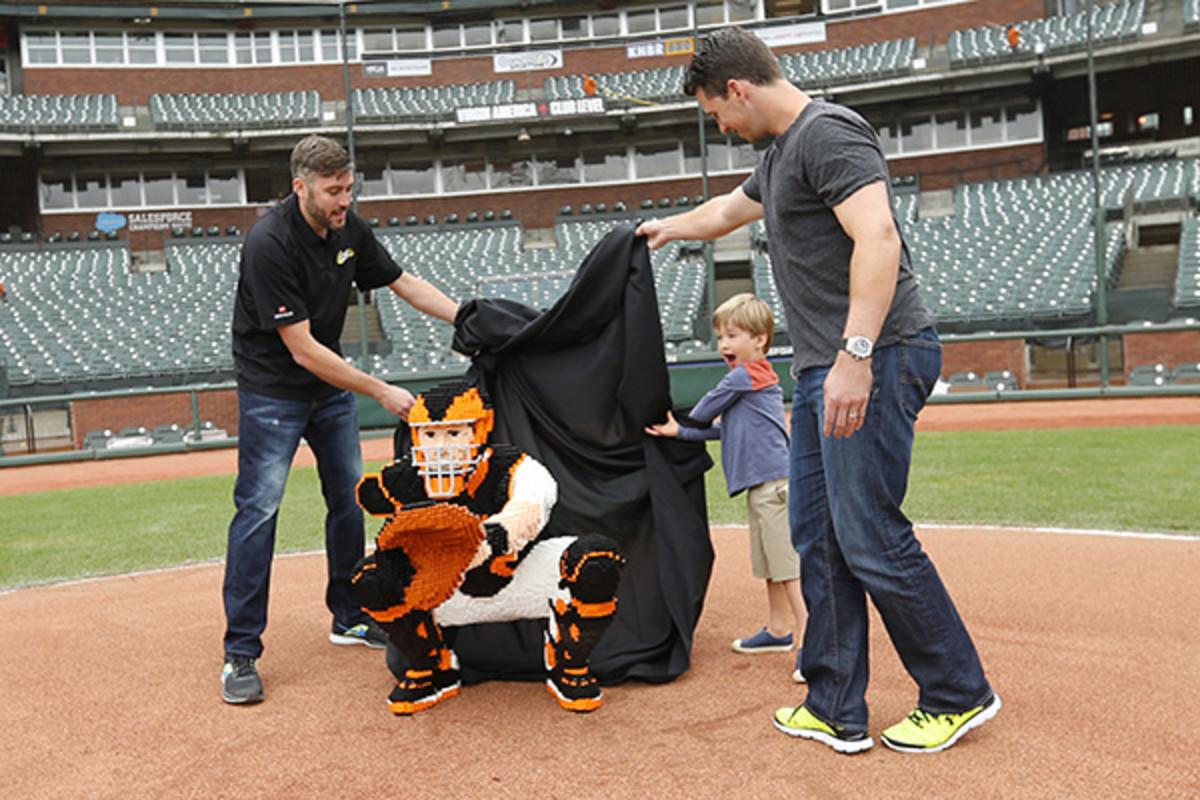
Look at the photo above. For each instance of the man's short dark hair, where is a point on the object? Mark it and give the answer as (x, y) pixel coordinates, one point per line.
(730, 53)
(319, 157)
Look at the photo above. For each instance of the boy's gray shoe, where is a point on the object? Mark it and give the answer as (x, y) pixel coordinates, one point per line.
(240, 683)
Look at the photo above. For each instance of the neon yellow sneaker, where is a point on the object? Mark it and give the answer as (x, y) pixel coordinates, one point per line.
(799, 721)
(922, 732)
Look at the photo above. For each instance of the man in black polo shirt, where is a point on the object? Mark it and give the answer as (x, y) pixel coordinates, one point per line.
(297, 265)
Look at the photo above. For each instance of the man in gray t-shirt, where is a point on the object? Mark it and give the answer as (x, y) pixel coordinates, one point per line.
(823, 158)
(866, 358)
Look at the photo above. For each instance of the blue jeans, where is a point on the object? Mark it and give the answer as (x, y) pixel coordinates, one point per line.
(854, 541)
(269, 431)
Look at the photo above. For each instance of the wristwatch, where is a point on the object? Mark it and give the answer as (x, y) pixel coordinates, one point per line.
(858, 346)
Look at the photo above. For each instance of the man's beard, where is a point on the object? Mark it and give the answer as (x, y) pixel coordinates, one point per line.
(315, 213)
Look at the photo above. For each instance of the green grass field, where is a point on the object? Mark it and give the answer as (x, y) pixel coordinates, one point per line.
(1139, 479)
(1134, 479)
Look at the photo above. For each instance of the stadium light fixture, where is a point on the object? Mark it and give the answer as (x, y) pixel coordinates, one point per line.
(523, 136)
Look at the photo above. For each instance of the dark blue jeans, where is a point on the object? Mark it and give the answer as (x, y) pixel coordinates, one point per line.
(854, 541)
(269, 431)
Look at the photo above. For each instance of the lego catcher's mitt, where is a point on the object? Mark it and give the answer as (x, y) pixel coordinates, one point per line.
(420, 558)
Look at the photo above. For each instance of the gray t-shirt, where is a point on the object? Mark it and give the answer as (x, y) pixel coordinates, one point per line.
(827, 154)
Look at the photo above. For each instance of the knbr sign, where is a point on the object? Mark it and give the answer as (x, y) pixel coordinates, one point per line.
(664, 47)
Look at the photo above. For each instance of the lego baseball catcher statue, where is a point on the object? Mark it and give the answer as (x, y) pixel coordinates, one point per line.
(464, 542)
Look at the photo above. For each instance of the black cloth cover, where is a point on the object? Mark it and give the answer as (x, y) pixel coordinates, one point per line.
(574, 386)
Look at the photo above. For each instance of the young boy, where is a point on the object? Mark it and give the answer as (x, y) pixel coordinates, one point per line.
(754, 454)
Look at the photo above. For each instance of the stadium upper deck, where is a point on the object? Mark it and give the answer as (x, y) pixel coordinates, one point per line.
(166, 129)
(191, 106)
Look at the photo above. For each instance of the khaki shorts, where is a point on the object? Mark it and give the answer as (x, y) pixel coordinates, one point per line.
(772, 556)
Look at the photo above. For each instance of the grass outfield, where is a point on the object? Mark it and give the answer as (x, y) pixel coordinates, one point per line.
(1138, 479)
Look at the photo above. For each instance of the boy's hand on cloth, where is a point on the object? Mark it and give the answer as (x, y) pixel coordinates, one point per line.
(668, 428)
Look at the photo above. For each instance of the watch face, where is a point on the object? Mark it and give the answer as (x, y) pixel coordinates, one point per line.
(859, 346)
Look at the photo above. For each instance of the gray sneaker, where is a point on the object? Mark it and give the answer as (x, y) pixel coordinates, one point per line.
(240, 683)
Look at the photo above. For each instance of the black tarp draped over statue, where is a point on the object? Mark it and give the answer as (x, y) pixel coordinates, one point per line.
(574, 386)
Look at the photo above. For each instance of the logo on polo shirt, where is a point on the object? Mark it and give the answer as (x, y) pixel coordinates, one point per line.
(345, 255)
(283, 312)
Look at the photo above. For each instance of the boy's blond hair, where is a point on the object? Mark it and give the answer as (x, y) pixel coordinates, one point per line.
(749, 313)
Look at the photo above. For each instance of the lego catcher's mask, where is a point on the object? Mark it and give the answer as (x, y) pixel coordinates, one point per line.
(450, 426)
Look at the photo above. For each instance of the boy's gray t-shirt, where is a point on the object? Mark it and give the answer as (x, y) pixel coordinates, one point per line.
(827, 154)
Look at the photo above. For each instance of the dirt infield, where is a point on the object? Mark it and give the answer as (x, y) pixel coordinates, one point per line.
(111, 686)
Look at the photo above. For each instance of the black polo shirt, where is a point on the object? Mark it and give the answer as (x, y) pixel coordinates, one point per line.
(289, 274)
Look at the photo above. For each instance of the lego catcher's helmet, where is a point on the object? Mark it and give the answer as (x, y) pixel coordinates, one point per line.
(450, 426)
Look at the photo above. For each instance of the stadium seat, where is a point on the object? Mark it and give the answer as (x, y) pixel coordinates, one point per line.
(1187, 373)
(168, 434)
(58, 112)
(189, 111)
(1111, 23)
(1001, 380)
(97, 440)
(1151, 375)
(967, 382)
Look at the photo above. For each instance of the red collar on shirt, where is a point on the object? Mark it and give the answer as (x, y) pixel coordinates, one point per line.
(762, 374)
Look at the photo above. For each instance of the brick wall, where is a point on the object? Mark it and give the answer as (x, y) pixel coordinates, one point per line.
(949, 170)
(115, 413)
(133, 86)
(242, 217)
(1171, 349)
(982, 357)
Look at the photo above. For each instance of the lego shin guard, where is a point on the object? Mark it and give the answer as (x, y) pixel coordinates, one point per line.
(590, 571)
